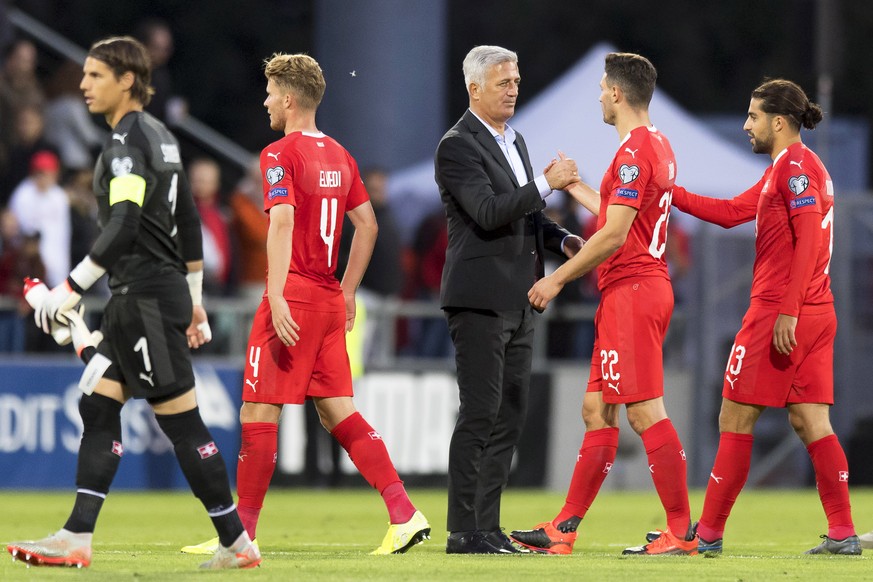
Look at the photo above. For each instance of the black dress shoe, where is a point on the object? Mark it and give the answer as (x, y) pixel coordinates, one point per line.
(499, 540)
(470, 542)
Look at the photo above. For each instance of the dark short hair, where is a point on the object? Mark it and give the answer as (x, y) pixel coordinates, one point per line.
(786, 98)
(636, 76)
(123, 54)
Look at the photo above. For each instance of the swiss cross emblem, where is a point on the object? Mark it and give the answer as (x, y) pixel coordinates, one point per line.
(207, 450)
(607, 467)
(375, 436)
(844, 476)
(117, 448)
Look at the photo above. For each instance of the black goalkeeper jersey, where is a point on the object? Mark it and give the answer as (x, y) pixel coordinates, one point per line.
(144, 238)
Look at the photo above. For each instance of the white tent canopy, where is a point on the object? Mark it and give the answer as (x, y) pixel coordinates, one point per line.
(566, 116)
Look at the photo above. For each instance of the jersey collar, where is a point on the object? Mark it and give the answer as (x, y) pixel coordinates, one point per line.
(650, 128)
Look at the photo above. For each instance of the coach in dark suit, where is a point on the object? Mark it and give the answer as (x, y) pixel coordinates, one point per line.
(497, 237)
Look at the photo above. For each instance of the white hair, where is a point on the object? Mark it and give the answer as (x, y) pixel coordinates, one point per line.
(481, 58)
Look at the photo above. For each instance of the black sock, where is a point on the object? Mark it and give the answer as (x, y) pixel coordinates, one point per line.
(227, 523)
(99, 455)
(85, 512)
(204, 469)
(569, 525)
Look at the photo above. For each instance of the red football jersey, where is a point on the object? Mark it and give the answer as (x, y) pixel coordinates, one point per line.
(317, 176)
(796, 183)
(641, 175)
(792, 257)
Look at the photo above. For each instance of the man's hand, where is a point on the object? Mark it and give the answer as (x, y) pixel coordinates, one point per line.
(61, 298)
(351, 311)
(561, 173)
(285, 326)
(783, 334)
(199, 332)
(543, 292)
(572, 245)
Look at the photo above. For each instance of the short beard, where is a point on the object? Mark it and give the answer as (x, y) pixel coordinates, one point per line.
(762, 148)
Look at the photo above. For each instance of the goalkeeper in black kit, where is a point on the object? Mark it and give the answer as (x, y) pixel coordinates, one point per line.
(151, 248)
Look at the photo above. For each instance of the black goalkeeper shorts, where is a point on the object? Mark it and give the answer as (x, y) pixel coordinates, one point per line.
(144, 337)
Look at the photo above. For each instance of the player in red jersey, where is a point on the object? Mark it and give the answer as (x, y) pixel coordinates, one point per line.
(297, 346)
(783, 354)
(633, 209)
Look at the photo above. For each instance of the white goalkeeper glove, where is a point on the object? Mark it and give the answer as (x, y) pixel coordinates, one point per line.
(82, 337)
(67, 295)
(60, 299)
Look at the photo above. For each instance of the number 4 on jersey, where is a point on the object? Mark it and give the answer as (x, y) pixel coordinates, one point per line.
(328, 220)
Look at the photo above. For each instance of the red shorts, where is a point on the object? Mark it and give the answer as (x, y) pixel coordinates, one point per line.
(318, 366)
(757, 374)
(630, 325)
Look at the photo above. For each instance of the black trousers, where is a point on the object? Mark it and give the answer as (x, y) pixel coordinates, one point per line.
(493, 351)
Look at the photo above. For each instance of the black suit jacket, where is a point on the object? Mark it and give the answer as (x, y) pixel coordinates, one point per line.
(497, 230)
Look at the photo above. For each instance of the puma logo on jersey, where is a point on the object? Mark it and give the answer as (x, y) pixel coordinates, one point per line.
(730, 380)
(633, 153)
(147, 378)
(614, 386)
(798, 164)
(252, 384)
(241, 457)
(716, 479)
(272, 155)
(120, 137)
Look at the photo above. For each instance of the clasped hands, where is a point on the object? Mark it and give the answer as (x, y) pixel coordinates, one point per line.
(561, 172)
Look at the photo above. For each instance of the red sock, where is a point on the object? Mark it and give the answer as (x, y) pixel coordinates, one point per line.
(367, 451)
(592, 465)
(832, 481)
(400, 508)
(667, 465)
(726, 480)
(254, 469)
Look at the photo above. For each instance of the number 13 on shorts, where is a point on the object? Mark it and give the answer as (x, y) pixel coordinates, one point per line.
(735, 364)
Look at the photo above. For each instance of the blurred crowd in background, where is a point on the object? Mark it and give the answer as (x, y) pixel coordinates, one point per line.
(48, 221)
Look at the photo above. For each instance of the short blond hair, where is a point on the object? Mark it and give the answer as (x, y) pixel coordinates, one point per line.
(299, 74)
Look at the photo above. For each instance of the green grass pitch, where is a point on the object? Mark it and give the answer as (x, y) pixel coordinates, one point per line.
(327, 535)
